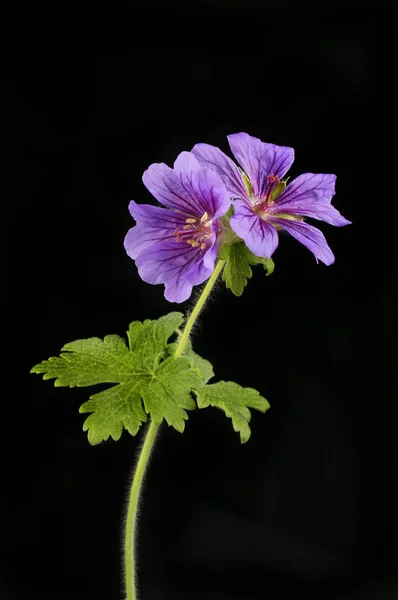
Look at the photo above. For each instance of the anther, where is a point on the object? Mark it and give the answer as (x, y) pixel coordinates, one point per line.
(204, 217)
(273, 178)
(190, 220)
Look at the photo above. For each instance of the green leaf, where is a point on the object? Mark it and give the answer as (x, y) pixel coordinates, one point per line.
(168, 393)
(204, 366)
(199, 364)
(149, 339)
(268, 264)
(235, 401)
(112, 410)
(147, 379)
(237, 269)
(88, 362)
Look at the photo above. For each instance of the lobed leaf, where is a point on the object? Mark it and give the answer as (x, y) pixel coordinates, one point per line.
(235, 401)
(239, 260)
(148, 380)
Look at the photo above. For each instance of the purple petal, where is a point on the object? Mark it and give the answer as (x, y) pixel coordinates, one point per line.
(190, 188)
(177, 290)
(259, 159)
(309, 196)
(212, 158)
(200, 271)
(177, 265)
(204, 185)
(209, 258)
(166, 187)
(310, 237)
(154, 224)
(260, 237)
(186, 162)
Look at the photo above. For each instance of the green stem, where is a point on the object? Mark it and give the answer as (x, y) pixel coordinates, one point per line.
(131, 593)
(133, 509)
(198, 307)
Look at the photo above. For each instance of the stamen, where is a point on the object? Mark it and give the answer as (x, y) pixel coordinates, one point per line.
(273, 181)
(177, 234)
(273, 178)
(199, 230)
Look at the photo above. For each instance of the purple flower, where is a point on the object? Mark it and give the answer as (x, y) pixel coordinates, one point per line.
(263, 203)
(177, 245)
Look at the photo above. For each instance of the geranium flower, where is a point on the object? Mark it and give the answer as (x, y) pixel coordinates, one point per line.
(177, 245)
(262, 201)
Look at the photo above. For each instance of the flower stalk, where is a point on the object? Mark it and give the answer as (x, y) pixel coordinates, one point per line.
(136, 487)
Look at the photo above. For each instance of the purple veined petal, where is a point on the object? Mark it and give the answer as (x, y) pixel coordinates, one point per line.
(165, 185)
(204, 185)
(309, 196)
(155, 216)
(309, 236)
(326, 213)
(199, 273)
(154, 224)
(322, 186)
(259, 159)
(177, 290)
(210, 256)
(171, 263)
(214, 159)
(190, 189)
(186, 162)
(260, 237)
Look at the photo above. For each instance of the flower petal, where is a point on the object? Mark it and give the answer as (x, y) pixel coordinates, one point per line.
(310, 237)
(189, 188)
(186, 162)
(166, 187)
(260, 237)
(259, 159)
(213, 158)
(209, 257)
(203, 184)
(309, 196)
(174, 264)
(200, 272)
(154, 224)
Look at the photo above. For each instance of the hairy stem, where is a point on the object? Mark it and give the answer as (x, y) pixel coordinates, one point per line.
(198, 307)
(132, 510)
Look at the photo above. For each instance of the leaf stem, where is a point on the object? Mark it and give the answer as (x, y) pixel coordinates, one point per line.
(132, 510)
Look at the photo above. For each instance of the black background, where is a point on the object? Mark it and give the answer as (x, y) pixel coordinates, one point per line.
(306, 507)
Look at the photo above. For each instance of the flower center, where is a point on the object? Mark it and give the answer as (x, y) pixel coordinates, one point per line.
(196, 232)
(266, 201)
